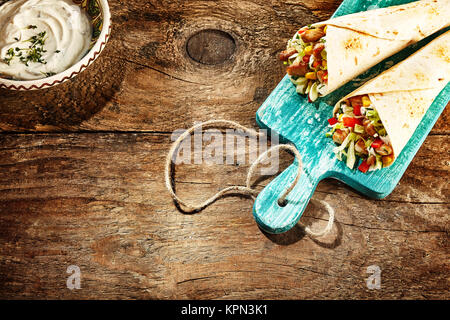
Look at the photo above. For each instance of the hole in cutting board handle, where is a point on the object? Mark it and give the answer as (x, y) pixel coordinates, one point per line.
(282, 203)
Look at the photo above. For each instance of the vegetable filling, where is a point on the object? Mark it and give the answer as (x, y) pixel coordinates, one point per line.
(306, 58)
(357, 130)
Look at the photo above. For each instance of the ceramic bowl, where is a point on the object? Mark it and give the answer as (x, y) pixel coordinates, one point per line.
(98, 10)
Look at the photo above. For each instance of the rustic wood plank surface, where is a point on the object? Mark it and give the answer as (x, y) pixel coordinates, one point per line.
(82, 180)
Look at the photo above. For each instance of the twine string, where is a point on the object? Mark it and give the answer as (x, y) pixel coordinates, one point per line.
(247, 189)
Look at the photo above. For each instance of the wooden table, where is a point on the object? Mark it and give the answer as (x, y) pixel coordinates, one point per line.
(82, 181)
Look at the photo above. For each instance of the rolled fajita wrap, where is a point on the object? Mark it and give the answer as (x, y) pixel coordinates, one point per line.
(324, 56)
(376, 121)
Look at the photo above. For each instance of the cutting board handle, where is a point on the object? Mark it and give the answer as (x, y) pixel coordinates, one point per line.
(277, 218)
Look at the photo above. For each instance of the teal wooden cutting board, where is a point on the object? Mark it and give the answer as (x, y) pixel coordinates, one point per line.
(305, 124)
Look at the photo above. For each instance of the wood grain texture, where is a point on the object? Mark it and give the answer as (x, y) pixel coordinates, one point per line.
(81, 173)
(145, 69)
(98, 201)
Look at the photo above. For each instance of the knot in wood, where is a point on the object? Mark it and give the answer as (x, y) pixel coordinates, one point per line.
(210, 46)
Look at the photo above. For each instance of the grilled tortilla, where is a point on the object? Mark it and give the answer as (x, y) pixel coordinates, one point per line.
(352, 44)
(403, 94)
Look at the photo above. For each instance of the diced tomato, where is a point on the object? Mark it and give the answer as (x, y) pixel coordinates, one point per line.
(302, 30)
(357, 110)
(356, 101)
(364, 167)
(377, 143)
(350, 122)
(325, 77)
(306, 58)
(332, 121)
(317, 63)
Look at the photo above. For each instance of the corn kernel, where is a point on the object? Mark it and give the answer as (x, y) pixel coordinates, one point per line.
(311, 76)
(366, 101)
(309, 50)
(387, 160)
(324, 63)
(325, 29)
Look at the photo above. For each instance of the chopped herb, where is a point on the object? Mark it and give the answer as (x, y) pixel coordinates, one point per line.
(57, 51)
(34, 51)
(93, 8)
(38, 40)
(34, 55)
(9, 56)
(31, 27)
(96, 31)
(17, 39)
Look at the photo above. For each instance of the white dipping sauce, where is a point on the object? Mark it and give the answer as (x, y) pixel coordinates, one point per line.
(68, 33)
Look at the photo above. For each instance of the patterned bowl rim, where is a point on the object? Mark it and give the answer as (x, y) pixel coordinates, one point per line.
(74, 70)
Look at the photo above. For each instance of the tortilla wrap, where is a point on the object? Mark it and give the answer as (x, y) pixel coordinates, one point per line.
(357, 42)
(403, 93)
